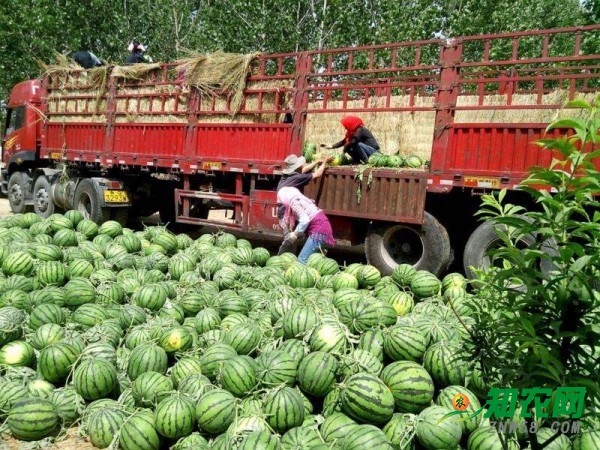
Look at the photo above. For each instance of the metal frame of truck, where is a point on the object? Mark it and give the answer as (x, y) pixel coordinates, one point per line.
(186, 168)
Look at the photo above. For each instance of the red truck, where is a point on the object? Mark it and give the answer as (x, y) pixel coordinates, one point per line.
(472, 106)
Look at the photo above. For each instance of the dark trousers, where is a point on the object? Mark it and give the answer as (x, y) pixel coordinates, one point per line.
(360, 152)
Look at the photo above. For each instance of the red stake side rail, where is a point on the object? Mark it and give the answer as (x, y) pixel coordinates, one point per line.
(519, 71)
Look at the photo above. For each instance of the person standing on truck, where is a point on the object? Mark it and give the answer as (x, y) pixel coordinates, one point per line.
(136, 54)
(87, 60)
(301, 215)
(359, 143)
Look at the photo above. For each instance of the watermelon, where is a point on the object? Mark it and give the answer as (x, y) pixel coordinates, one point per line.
(445, 398)
(185, 366)
(139, 433)
(33, 419)
(404, 343)
(336, 426)
(344, 280)
(300, 438)
(403, 275)
(368, 276)
(17, 263)
(433, 434)
(360, 361)
(146, 358)
(446, 363)
(284, 408)
(213, 358)
(367, 399)
(40, 388)
(215, 411)
(175, 417)
(46, 335)
(275, 368)
(400, 430)
(425, 284)
(402, 302)
(104, 424)
(410, 384)
(177, 339)
(150, 388)
(238, 375)
(243, 338)
(151, 296)
(328, 337)
(362, 437)
(94, 379)
(317, 373)
(56, 361)
(194, 441)
(258, 440)
(68, 403)
(17, 354)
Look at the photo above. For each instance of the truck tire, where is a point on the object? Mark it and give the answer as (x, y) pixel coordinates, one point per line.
(88, 202)
(485, 238)
(19, 185)
(42, 197)
(426, 247)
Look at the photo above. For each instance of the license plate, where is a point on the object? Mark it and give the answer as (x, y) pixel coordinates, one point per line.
(483, 182)
(55, 155)
(114, 196)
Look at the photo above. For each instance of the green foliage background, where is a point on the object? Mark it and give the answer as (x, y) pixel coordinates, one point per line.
(36, 29)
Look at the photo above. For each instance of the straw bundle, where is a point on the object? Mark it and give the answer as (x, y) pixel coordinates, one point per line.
(134, 71)
(219, 71)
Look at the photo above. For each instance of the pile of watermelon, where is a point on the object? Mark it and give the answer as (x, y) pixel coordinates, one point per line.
(148, 340)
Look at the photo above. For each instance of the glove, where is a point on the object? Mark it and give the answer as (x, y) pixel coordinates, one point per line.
(291, 236)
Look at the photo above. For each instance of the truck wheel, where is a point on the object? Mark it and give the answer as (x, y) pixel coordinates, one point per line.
(88, 202)
(18, 186)
(485, 238)
(42, 199)
(426, 247)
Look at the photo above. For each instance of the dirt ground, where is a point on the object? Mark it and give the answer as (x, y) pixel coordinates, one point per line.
(70, 442)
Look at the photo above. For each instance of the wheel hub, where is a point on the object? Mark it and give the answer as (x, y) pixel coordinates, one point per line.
(16, 194)
(402, 245)
(42, 199)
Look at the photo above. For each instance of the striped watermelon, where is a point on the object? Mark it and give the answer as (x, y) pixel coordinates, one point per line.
(360, 315)
(51, 273)
(65, 238)
(40, 388)
(367, 399)
(446, 363)
(46, 313)
(46, 335)
(151, 296)
(410, 384)
(328, 337)
(18, 263)
(139, 433)
(258, 440)
(433, 434)
(363, 437)
(368, 276)
(104, 424)
(33, 419)
(360, 361)
(88, 315)
(17, 354)
(48, 252)
(275, 368)
(336, 426)
(56, 361)
(296, 348)
(207, 319)
(244, 338)
(150, 388)
(373, 342)
(111, 228)
(344, 280)
(195, 386)
(68, 403)
(317, 373)
(194, 441)
(100, 350)
(80, 268)
(213, 358)
(94, 379)
(400, 430)
(238, 375)
(299, 321)
(425, 284)
(403, 275)
(215, 411)
(177, 339)
(402, 302)
(300, 438)
(404, 343)
(146, 358)
(88, 227)
(260, 256)
(445, 398)
(183, 367)
(175, 417)
(284, 408)
(79, 291)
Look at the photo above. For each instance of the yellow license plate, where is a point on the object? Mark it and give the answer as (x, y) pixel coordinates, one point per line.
(211, 165)
(113, 196)
(483, 182)
(55, 155)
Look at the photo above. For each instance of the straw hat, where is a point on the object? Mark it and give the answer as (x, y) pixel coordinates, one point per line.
(292, 163)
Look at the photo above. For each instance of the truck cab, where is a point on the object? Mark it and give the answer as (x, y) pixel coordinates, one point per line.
(20, 142)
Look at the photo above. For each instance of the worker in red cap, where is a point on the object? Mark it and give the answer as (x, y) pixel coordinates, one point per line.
(359, 143)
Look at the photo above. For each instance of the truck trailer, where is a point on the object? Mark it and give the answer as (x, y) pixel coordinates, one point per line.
(116, 146)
